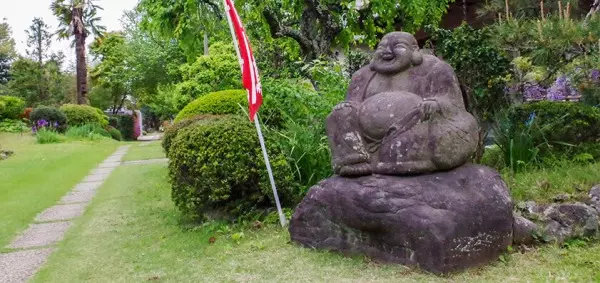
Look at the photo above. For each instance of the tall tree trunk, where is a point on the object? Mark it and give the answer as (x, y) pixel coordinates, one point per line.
(39, 51)
(79, 31)
(206, 43)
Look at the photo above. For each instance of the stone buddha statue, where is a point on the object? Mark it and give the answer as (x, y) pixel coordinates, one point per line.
(404, 114)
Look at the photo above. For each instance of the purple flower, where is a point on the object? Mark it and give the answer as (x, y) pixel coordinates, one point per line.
(533, 91)
(595, 75)
(561, 89)
(511, 89)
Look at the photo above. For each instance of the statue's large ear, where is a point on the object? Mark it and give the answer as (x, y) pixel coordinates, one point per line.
(417, 58)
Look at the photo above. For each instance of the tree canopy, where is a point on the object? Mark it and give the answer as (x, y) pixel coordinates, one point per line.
(7, 51)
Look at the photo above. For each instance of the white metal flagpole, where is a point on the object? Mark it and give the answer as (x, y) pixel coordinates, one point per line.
(268, 163)
(256, 123)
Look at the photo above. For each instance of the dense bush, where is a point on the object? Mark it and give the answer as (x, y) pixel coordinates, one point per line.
(11, 107)
(13, 126)
(216, 103)
(288, 100)
(570, 122)
(209, 73)
(171, 131)
(51, 115)
(79, 115)
(216, 165)
(125, 126)
(546, 133)
(114, 133)
(113, 121)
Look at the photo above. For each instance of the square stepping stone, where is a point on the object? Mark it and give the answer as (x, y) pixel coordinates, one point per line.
(96, 178)
(78, 197)
(41, 235)
(61, 212)
(102, 171)
(109, 164)
(88, 186)
(22, 265)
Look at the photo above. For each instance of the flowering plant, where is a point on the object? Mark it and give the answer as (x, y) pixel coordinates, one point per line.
(43, 124)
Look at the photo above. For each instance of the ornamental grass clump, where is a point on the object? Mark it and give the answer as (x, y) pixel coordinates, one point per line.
(45, 136)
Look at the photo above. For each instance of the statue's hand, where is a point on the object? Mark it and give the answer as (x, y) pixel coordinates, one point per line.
(342, 105)
(430, 107)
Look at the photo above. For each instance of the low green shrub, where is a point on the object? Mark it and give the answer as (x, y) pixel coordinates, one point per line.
(171, 131)
(215, 103)
(51, 115)
(11, 107)
(114, 133)
(216, 165)
(88, 132)
(45, 136)
(13, 126)
(79, 115)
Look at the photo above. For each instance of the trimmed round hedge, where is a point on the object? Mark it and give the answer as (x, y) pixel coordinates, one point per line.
(171, 131)
(79, 115)
(216, 165)
(215, 103)
(11, 107)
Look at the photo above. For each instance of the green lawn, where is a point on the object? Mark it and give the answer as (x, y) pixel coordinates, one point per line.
(133, 233)
(37, 176)
(144, 150)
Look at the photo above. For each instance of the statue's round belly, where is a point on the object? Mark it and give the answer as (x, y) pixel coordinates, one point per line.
(379, 112)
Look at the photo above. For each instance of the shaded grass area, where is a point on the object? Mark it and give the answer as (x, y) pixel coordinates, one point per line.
(37, 176)
(543, 185)
(133, 233)
(144, 151)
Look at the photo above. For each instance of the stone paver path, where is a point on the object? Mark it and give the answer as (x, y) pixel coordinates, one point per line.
(50, 226)
(146, 161)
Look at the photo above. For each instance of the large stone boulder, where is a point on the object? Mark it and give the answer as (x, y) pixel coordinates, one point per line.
(442, 222)
(569, 221)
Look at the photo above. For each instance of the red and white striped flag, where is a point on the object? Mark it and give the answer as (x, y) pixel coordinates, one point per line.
(250, 78)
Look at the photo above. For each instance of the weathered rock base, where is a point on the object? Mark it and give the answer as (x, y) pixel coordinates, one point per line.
(442, 222)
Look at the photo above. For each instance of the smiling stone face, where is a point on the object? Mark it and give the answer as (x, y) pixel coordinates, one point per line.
(395, 53)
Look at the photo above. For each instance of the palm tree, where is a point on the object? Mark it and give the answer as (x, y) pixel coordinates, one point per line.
(78, 18)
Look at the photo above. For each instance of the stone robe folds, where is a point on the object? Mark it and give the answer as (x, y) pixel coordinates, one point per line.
(386, 126)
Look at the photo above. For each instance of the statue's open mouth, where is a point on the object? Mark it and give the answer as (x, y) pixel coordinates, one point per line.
(387, 57)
